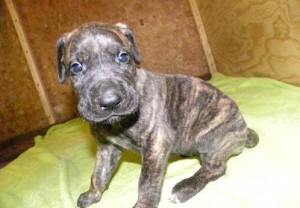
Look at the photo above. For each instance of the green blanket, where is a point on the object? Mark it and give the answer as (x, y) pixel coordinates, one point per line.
(58, 168)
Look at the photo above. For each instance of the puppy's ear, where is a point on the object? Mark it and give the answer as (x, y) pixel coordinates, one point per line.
(62, 71)
(130, 36)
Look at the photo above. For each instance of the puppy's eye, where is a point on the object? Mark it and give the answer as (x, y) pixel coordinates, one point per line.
(123, 57)
(76, 67)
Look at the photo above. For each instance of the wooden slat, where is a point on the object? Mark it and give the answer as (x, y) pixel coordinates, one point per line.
(203, 37)
(31, 61)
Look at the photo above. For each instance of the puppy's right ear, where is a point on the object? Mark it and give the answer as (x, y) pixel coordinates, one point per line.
(62, 71)
(131, 38)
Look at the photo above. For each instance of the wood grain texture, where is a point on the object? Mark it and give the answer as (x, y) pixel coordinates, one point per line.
(203, 37)
(20, 110)
(255, 37)
(39, 85)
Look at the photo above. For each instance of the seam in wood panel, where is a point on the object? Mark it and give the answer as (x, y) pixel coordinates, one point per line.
(39, 85)
(203, 36)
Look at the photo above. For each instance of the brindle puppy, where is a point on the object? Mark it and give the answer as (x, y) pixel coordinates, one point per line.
(155, 114)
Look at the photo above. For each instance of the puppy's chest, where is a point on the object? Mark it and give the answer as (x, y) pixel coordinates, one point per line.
(125, 142)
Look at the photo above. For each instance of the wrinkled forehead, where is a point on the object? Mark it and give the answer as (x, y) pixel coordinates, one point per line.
(96, 38)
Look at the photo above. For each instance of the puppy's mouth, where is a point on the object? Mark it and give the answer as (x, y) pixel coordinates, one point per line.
(107, 116)
(113, 119)
(116, 120)
(108, 106)
(109, 120)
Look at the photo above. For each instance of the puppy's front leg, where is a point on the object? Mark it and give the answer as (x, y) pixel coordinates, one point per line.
(108, 156)
(154, 161)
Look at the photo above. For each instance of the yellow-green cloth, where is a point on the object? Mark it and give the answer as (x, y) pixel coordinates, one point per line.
(58, 168)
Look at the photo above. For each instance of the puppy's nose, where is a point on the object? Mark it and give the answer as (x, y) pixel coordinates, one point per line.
(110, 99)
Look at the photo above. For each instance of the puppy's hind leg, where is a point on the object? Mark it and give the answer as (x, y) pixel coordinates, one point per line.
(211, 170)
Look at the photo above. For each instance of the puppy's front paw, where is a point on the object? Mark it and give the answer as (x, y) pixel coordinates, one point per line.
(173, 198)
(178, 197)
(88, 198)
(183, 191)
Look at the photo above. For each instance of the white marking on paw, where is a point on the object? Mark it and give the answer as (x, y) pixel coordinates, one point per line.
(173, 198)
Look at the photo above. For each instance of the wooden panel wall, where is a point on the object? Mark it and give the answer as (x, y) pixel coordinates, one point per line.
(165, 31)
(20, 108)
(254, 38)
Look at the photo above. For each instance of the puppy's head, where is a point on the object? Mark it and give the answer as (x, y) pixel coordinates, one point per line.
(101, 60)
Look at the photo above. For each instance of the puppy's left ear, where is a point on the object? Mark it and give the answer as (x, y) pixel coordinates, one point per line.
(62, 71)
(130, 36)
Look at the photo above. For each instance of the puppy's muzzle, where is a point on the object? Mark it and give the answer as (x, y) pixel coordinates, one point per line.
(108, 102)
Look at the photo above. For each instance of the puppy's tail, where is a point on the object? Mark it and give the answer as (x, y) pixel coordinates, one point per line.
(252, 138)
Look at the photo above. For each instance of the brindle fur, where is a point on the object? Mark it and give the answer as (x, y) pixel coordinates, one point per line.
(158, 115)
